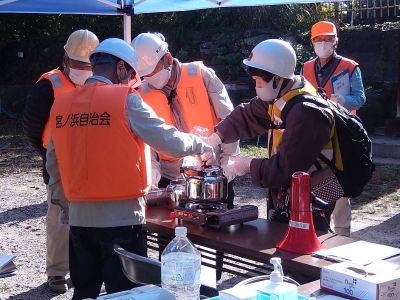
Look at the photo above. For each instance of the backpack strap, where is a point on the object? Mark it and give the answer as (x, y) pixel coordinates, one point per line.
(289, 105)
(296, 99)
(336, 61)
(310, 98)
(327, 161)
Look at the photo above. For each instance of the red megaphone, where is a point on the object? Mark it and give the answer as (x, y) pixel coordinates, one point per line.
(300, 236)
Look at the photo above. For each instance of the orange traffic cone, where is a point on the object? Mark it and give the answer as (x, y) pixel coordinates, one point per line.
(300, 236)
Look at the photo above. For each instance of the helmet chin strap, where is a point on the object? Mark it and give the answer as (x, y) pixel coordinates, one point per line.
(276, 83)
(284, 85)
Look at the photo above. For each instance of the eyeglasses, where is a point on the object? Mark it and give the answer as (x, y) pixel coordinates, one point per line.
(324, 38)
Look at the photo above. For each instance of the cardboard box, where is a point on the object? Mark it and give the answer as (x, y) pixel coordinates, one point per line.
(379, 280)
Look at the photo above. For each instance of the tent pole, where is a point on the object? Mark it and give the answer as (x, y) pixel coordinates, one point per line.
(127, 28)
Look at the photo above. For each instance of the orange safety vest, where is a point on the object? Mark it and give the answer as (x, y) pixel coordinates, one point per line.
(99, 157)
(309, 72)
(193, 103)
(60, 84)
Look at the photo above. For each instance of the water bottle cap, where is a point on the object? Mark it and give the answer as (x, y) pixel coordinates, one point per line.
(180, 231)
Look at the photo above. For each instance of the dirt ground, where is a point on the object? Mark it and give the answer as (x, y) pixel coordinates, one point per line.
(23, 209)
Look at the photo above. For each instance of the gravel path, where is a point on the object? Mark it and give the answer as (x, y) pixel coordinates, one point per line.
(22, 222)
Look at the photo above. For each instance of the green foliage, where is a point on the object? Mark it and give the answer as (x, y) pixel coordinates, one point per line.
(254, 151)
(219, 37)
(41, 37)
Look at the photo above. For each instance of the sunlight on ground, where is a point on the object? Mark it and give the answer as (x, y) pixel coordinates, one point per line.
(381, 195)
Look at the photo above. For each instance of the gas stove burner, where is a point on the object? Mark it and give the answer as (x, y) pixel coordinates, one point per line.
(216, 215)
(204, 207)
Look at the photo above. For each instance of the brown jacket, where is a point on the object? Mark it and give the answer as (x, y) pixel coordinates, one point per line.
(306, 133)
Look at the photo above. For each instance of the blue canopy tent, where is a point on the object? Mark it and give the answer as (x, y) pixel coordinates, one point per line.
(127, 8)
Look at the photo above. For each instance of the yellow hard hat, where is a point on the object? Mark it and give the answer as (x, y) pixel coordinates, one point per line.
(80, 45)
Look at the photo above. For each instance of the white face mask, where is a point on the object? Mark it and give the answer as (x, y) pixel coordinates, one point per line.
(79, 76)
(160, 79)
(268, 93)
(323, 49)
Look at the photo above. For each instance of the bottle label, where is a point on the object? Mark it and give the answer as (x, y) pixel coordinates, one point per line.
(181, 272)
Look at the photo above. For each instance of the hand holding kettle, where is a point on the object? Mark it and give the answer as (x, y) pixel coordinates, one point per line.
(208, 158)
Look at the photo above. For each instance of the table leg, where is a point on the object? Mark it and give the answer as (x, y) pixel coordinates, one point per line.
(219, 262)
(160, 248)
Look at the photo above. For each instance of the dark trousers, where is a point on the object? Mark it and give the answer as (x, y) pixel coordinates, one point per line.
(163, 183)
(321, 219)
(93, 261)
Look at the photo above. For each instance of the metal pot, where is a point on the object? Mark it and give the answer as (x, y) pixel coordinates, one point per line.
(215, 184)
(193, 182)
(177, 192)
(208, 184)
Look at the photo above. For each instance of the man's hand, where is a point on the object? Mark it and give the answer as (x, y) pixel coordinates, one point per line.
(208, 155)
(238, 165)
(338, 99)
(213, 140)
(228, 174)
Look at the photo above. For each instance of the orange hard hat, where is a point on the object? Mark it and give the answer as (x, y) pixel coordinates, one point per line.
(323, 28)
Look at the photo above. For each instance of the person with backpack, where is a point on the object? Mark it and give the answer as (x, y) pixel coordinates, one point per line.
(341, 81)
(295, 141)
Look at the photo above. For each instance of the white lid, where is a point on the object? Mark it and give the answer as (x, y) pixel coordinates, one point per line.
(180, 231)
(277, 275)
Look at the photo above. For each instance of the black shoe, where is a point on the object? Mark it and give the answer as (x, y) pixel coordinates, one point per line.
(57, 284)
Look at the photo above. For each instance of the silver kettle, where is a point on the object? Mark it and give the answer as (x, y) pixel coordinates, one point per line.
(208, 184)
(177, 192)
(215, 184)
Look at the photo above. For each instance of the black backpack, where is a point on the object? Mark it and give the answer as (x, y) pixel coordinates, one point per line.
(352, 161)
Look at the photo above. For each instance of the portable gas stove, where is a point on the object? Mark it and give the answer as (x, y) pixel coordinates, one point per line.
(215, 214)
(202, 199)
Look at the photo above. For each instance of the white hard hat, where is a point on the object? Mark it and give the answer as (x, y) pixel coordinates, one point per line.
(80, 45)
(274, 56)
(122, 50)
(150, 48)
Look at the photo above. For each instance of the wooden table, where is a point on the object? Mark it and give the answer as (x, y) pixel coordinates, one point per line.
(253, 241)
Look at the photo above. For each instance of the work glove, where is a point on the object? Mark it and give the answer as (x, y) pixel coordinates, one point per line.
(338, 99)
(192, 161)
(239, 165)
(213, 140)
(228, 174)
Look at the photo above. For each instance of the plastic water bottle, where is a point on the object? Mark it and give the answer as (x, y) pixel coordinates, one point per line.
(180, 267)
